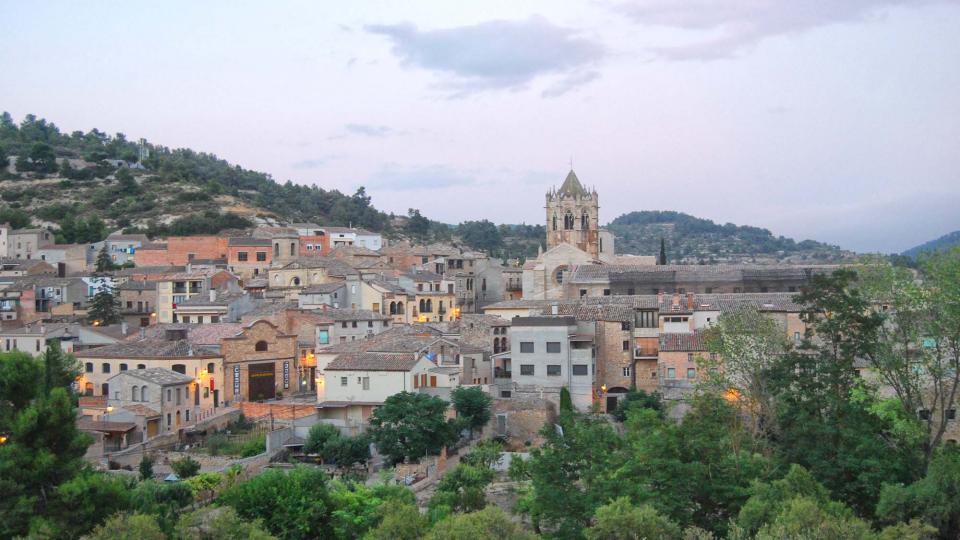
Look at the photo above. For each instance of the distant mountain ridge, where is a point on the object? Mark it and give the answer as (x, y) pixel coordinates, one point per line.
(691, 239)
(944, 242)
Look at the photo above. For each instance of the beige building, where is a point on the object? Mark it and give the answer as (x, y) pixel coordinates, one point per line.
(260, 363)
(158, 400)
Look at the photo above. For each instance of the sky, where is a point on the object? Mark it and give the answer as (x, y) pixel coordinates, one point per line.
(836, 120)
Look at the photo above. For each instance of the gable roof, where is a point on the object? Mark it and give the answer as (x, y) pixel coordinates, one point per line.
(161, 376)
(682, 342)
(572, 186)
(373, 361)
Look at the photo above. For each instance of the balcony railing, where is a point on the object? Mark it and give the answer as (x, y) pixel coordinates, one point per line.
(514, 285)
(645, 352)
(500, 373)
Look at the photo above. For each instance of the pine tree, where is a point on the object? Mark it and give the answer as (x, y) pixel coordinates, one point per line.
(663, 252)
(104, 264)
(105, 307)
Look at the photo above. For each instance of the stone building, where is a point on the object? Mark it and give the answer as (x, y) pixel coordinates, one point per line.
(158, 400)
(573, 217)
(260, 362)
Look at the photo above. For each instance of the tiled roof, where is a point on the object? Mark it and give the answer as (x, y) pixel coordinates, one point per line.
(518, 304)
(197, 334)
(222, 299)
(398, 338)
(142, 410)
(342, 314)
(358, 251)
(593, 312)
(249, 241)
(602, 273)
(108, 427)
(324, 288)
(148, 348)
(161, 376)
(682, 342)
(266, 309)
(137, 285)
(423, 276)
(371, 361)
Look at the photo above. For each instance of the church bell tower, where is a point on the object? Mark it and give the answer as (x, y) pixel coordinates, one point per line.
(573, 216)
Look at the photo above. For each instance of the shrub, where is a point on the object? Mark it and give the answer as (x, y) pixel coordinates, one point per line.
(186, 467)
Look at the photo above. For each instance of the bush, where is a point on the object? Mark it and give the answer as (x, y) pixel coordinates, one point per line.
(186, 467)
(146, 468)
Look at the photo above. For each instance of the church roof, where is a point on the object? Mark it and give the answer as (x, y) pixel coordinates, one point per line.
(572, 186)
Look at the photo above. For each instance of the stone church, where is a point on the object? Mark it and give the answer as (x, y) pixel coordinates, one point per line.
(574, 237)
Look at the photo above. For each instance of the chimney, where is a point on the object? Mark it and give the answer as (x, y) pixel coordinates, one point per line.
(659, 297)
(676, 300)
(213, 295)
(690, 303)
(143, 333)
(124, 328)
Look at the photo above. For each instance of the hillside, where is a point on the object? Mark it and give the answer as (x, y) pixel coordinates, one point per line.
(692, 240)
(944, 242)
(85, 183)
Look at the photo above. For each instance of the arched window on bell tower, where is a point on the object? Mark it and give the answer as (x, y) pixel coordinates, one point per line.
(568, 221)
(554, 222)
(584, 222)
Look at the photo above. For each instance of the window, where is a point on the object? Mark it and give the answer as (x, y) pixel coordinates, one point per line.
(626, 345)
(123, 367)
(143, 393)
(583, 292)
(260, 346)
(188, 415)
(343, 324)
(168, 420)
(690, 357)
(553, 370)
(691, 373)
(369, 324)
(505, 393)
(136, 394)
(526, 369)
(89, 367)
(324, 337)
(626, 371)
(242, 256)
(261, 256)
(580, 369)
(625, 326)
(366, 383)
(796, 338)
(526, 346)
(924, 414)
(631, 291)
(552, 347)
(343, 381)
(105, 368)
(606, 292)
(353, 324)
(186, 318)
(671, 373)
(178, 396)
(951, 414)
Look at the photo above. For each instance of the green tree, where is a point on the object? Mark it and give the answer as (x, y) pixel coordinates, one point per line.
(347, 451)
(487, 523)
(482, 235)
(219, 523)
(185, 468)
(293, 505)
(43, 450)
(105, 306)
(638, 399)
(803, 519)
(566, 402)
(410, 426)
(461, 490)
(4, 161)
(43, 158)
(319, 436)
(745, 345)
(146, 468)
(86, 500)
(485, 454)
(620, 520)
(104, 262)
(417, 226)
(932, 499)
(128, 527)
(825, 416)
(59, 370)
(399, 521)
(18, 219)
(472, 405)
(164, 500)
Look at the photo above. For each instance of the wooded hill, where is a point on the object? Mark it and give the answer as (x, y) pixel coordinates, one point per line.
(695, 240)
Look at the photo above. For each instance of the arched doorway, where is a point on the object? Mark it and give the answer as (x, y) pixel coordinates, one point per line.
(614, 395)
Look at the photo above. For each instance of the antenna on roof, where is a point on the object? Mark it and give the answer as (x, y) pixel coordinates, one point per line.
(571, 162)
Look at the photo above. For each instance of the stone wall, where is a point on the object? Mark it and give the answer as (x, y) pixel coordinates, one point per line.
(524, 418)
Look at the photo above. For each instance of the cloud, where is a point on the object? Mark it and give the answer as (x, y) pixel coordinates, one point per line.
(393, 177)
(368, 130)
(495, 54)
(735, 26)
(567, 84)
(313, 163)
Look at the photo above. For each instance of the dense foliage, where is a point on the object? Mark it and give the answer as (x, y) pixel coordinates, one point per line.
(411, 425)
(693, 239)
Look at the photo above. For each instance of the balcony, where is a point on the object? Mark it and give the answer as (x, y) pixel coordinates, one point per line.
(501, 373)
(645, 352)
(514, 285)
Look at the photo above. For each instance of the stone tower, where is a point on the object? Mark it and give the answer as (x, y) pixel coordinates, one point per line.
(573, 216)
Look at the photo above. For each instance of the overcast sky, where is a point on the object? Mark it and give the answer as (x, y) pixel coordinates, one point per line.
(835, 120)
